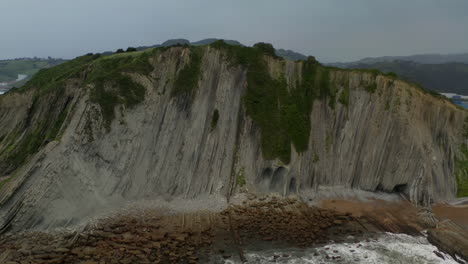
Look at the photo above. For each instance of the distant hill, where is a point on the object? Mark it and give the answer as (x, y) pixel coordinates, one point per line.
(290, 55)
(444, 77)
(172, 42)
(286, 54)
(10, 69)
(211, 40)
(421, 58)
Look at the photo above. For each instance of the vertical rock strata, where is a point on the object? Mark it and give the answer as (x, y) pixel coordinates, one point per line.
(367, 131)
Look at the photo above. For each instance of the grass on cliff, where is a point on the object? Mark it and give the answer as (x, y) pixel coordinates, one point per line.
(9, 69)
(465, 128)
(240, 178)
(3, 182)
(283, 115)
(461, 165)
(54, 78)
(344, 96)
(371, 88)
(110, 76)
(461, 172)
(112, 86)
(34, 134)
(187, 79)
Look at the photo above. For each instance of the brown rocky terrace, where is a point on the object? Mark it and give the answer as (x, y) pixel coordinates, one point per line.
(152, 236)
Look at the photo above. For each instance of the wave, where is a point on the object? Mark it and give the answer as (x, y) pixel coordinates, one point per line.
(387, 248)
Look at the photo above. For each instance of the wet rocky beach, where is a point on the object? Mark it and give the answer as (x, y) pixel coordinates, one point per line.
(255, 224)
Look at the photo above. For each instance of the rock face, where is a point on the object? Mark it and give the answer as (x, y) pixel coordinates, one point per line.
(396, 139)
(204, 237)
(450, 238)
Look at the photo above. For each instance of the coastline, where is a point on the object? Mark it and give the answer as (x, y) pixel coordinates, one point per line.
(244, 230)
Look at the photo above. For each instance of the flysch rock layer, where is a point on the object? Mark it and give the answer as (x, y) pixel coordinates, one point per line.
(396, 139)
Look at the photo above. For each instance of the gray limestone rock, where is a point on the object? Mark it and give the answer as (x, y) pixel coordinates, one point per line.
(398, 139)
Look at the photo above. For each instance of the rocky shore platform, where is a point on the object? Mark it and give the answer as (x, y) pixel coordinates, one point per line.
(156, 236)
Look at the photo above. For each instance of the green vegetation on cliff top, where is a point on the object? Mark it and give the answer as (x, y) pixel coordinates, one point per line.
(188, 77)
(54, 78)
(461, 172)
(448, 77)
(283, 115)
(112, 86)
(461, 165)
(34, 134)
(9, 69)
(109, 75)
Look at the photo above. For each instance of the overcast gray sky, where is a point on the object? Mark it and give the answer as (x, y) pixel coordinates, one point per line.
(331, 30)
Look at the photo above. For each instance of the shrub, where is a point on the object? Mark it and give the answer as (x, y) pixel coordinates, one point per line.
(371, 88)
(187, 80)
(214, 119)
(312, 60)
(329, 141)
(119, 51)
(316, 158)
(465, 128)
(112, 86)
(392, 74)
(131, 49)
(325, 87)
(266, 48)
(240, 178)
(344, 96)
(461, 172)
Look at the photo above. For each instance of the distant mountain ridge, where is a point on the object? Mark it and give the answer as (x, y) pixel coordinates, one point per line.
(286, 54)
(419, 58)
(12, 68)
(290, 55)
(444, 73)
(443, 78)
(181, 41)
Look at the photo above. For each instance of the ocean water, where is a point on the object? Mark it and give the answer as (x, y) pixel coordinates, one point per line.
(462, 104)
(385, 249)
